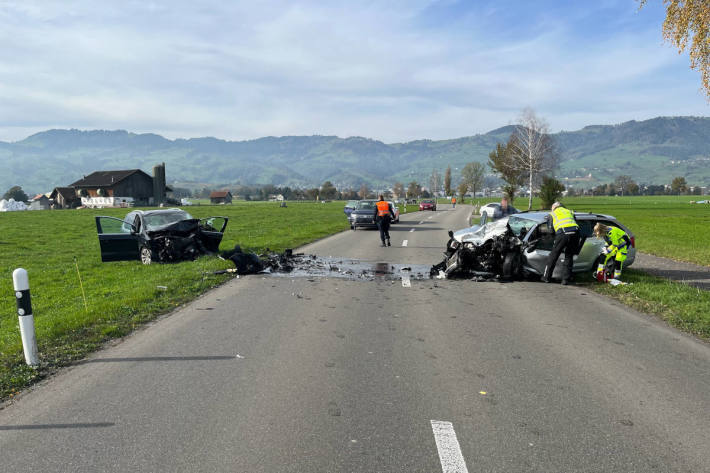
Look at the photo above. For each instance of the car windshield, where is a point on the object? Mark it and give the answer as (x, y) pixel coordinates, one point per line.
(366, 205)
(160, 219)
(520, 225)
(351, 204)
(427, 201)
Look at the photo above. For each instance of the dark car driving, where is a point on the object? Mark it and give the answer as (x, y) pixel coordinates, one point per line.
(162, 235)
(363, 215)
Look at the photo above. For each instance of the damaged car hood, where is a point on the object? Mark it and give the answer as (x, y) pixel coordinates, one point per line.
(478, 234)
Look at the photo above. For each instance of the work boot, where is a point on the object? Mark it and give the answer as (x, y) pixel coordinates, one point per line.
(388, 242)
(383, 243)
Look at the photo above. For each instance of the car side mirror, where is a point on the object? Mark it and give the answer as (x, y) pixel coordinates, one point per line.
(484, 219)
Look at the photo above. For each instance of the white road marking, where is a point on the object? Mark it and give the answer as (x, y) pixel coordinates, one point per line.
(429, 217)
(404, 243)
(410, 231)
(447, 444)
(406, 281)
(421, 222)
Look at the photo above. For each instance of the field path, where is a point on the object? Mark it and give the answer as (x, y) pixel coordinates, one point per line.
(688, 273)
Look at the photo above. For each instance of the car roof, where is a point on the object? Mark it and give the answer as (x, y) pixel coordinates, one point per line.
(541, 216)
(156, 211)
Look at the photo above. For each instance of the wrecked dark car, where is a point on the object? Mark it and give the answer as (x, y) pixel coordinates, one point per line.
(518, 246)
(164, 235)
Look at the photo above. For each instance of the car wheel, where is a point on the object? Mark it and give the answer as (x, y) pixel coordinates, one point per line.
(511, 265)
(146, 255)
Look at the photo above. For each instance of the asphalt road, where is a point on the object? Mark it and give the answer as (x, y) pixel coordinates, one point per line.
(303, 374)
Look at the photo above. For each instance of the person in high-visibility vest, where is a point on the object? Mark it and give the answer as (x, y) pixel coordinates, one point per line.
(385, 214)
(566, 238)
(453, 202)
(617, 246)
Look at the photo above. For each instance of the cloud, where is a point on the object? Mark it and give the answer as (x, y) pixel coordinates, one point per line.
(394, 71)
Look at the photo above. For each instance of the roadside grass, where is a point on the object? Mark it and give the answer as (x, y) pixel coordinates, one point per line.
(667, 226)
(122, 295)
(684, 307)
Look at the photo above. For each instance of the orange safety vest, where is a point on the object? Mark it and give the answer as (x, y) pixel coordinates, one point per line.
(453, 200)
(383, 208)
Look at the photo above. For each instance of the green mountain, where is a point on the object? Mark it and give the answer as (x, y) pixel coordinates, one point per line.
(651, 151)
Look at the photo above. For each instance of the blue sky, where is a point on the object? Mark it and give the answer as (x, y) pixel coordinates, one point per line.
(394, 70)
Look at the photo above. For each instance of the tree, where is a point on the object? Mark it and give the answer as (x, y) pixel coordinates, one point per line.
(679, 185)
(500, 162)
(472, 175)
(398, 190)
(328, 191)
(363, 191)
(447, 181)
(625, 185)
(463, 188)
(16, 192)
(435, 182)
(688, 21)
(413, 190)
(532, 150)
(550, 191)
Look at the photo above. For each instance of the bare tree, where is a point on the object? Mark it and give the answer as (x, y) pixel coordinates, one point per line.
(472, 174)
(532, 149)
(398, 190)
(363, 191)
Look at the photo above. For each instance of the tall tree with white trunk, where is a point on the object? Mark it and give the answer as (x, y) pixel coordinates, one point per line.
(532, 150)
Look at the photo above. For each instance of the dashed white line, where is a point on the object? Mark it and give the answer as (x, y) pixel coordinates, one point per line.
(429, 217)
(410, 231)
(447, 444)
(421, 222)
(406, 282)
(404, 243)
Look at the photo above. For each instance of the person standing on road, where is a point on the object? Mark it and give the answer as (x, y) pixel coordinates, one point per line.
(617, 246)
(566, 238)
(453, 202)
(384, 216)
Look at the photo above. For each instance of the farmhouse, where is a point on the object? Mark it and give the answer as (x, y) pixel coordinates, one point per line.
(39, 202)
(65, 198)
(221, 197)
(114, 188)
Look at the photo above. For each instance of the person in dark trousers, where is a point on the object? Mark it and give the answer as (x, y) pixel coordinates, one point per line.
(566, 238)
(384, 216)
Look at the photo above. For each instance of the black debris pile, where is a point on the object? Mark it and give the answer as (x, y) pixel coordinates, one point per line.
(178, 242)
(495, 257)
(251, 263)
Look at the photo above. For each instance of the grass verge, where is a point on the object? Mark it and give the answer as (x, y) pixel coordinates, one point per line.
(684, 307)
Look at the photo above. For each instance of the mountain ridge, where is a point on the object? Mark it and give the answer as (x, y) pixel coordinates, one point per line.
(650, 151)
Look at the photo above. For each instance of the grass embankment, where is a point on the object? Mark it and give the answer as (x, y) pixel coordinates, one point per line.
(121, 295)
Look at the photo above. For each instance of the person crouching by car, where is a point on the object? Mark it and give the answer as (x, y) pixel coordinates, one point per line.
(384, 216)
(566, 238)
(617, 246)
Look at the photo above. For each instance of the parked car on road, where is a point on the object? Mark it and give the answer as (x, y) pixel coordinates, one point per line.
(396, 212)
(158, 235)
(518, 245)
(428, 204)
(350, 206)
(493, 210)
(363, 215)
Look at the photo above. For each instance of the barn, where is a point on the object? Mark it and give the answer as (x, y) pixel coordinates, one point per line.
(133, 184)
(221, 197)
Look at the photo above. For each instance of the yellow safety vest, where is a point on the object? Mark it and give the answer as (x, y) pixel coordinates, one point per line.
(562, 219)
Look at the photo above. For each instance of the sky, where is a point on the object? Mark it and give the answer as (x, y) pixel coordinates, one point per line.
(394, 70)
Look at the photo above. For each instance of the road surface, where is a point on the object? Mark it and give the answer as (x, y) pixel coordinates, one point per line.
(304, 374)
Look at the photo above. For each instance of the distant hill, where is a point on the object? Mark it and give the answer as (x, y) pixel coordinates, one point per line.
(651, 151)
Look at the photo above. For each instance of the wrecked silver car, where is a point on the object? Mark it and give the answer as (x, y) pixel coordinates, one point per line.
(164, 235)
(518, 246)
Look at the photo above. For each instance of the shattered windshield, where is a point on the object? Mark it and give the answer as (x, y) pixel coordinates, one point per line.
(157, 220)
(520, 226)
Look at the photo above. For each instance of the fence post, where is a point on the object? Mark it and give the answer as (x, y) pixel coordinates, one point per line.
(24, 311)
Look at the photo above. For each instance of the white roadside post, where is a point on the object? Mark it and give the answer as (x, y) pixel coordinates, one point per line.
(24, 311)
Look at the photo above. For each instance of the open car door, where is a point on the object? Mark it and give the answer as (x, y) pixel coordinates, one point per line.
(212, 231)
(117, 238)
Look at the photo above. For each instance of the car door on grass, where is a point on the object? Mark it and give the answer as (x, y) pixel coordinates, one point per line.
(212, 231)
(118, 239)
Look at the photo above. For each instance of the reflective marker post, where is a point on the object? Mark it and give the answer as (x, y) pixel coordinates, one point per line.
(24, 311)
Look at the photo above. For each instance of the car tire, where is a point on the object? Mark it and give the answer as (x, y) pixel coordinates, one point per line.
(511, 265)
(146, 255)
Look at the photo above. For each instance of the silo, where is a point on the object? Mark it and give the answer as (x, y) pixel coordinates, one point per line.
(159, 184)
